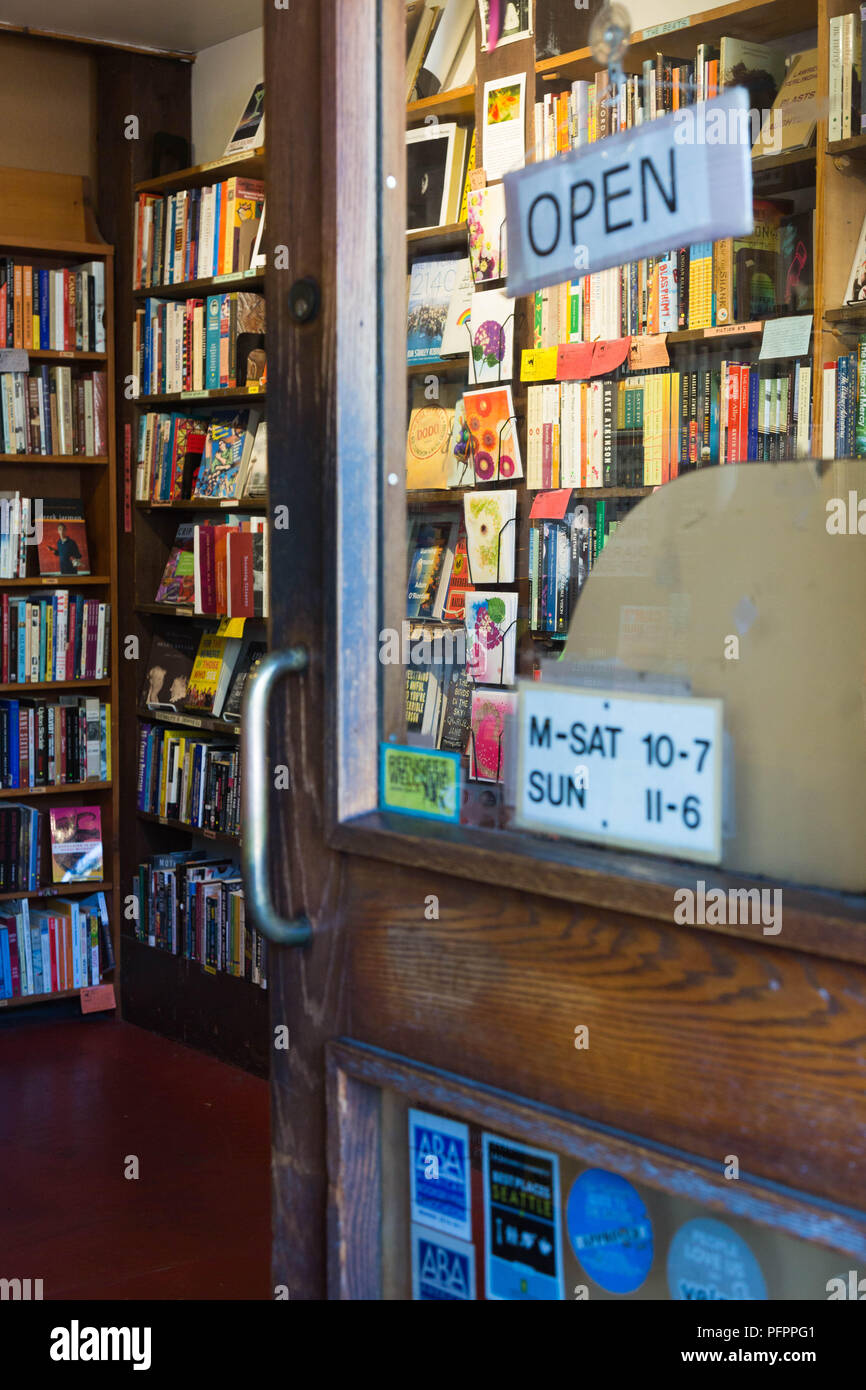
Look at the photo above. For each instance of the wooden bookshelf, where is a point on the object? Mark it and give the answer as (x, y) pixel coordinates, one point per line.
(178, 996)
(47, 221)
(460, 101)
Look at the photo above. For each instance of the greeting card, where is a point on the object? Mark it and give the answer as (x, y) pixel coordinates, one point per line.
(491, 629)
(494, 445)
(492, 328)
(485, 214)
(490, 710)
(490, 535)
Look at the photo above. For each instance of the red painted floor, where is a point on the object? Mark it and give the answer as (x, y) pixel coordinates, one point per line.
(77, 1098)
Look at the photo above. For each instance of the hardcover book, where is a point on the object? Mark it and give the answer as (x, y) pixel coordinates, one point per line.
(227, 442)
(435, 156)
(457, 713)
(76, 843)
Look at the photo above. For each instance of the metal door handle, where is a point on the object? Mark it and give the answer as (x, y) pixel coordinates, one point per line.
(254, 798)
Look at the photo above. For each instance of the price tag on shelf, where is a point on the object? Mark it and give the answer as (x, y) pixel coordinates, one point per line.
(254, 387)
(95, 998)
(638, 771)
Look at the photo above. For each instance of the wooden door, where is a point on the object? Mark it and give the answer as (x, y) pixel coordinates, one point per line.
(705, 1044)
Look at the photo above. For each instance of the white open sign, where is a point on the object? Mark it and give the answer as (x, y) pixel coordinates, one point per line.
(673, 182)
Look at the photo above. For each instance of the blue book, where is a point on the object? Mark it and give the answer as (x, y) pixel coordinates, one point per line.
(212, 342)
(43, 638)
(22, 640)
(172, 218)
(843, 389)
(44, 310)
(45, 418)
(220, 189)
(5, 965)
(144, 385)
(754, 408)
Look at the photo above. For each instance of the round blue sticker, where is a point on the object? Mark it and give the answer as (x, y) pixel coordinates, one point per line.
(610, 1230)
(707, 1260)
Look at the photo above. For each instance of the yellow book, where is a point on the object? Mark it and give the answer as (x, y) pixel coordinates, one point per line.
(790, 125)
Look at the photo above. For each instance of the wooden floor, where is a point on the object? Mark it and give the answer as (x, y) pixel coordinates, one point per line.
(77, 1098)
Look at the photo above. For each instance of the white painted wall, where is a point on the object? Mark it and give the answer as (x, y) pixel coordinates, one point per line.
(222, 79)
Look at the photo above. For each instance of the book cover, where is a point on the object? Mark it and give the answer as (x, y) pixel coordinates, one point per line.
(435, 155)
(459, 583)
(428, 441)
(249, 132)
(456, 713)
(217, 475)
(431, 555)
(62, 547)
(491, 629)
(755, 66)
(432, 282)
(178, 578)
(791, 123)
(169, 665)
(246, 668)
(76, 843)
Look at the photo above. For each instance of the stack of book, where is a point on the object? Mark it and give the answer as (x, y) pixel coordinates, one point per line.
(51, 410)
(199, 344)
(192, 905)
(188, 778)
(54, 637)
(52, 310)
(197, 233)
(53, 945)
(44, 744)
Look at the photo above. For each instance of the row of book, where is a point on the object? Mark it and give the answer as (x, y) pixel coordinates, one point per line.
(846, 111)
(562, 551)
(52, 310)
(54, 637)
(710, 284)
(199, 344)
(221, 455)
(53, 410)
(53, 527)
(197, 233)
(201, 674)
(53, 945)
(185, 777)
(644, 430)
(70, 835)
(53, 743)
(193, 906)
(219, 568)
(844, 405)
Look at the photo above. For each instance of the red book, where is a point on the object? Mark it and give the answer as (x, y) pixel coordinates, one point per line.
(68, 321)
(4, 299)
(13, 955)
(241, 592)
(206, 568)
(733, 449)
(4, 661)
(55, 964)
(744, 413)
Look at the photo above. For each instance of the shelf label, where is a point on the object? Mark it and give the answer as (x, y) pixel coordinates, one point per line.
(639, 771)
(683, 179)
(419, 782)
(97, 997)
(14, 360)
(786, 337)
(734, 330)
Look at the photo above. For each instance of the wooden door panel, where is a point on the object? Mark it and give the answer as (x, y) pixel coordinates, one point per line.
(714, 1046)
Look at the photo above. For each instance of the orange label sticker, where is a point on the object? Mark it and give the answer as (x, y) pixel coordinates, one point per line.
(97, 997)
(649, 350)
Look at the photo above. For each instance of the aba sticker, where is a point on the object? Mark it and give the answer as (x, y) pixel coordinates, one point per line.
(439, 1170)
(610, 1230)
(442, 1268)
(708, 1260)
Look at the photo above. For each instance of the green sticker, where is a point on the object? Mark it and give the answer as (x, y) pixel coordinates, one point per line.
(420, 782)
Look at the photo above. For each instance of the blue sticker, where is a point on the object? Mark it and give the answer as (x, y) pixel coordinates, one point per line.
(707, 1260)
(610, 1230)
(522, 1240)
(439, 1173)
(442, 1268)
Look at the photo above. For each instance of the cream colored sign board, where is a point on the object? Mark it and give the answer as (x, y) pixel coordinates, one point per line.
(749, 582)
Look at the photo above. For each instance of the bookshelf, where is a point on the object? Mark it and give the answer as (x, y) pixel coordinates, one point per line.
(828, 178)
(175, 993)
(47, 222)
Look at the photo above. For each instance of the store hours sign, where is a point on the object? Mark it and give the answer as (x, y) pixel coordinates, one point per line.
(638, 771)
